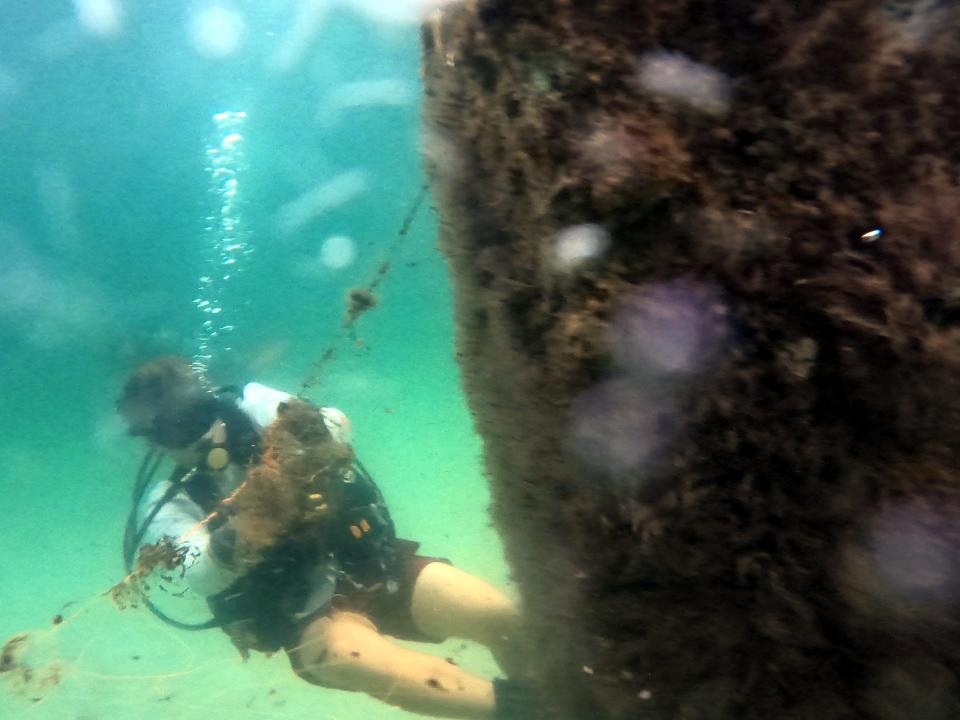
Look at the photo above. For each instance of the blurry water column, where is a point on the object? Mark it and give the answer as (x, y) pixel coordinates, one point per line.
(226, 238)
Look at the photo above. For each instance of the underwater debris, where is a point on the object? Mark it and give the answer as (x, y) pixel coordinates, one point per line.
(11, 651)
(26, 680)
(359, 300)
(165, 554)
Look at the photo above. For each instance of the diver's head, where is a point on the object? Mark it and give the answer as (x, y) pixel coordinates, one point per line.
(166, 402)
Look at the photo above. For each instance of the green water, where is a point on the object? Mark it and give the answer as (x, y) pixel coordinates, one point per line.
(104, 196)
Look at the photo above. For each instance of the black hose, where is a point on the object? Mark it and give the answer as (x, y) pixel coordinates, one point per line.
(148, 468)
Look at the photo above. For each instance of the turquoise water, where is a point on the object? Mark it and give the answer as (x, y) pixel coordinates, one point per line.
(105, 191)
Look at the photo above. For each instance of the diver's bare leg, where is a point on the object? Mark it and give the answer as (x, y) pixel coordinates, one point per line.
(345, 651)
(448, 602)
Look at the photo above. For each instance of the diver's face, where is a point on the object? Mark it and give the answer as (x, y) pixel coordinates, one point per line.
(157, 430)
(173, 425)
(194, 453)
(140, 420)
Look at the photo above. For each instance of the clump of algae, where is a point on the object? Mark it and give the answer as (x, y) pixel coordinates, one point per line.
(287, 495)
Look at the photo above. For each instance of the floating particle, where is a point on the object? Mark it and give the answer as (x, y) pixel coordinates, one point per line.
(671, 327)
(300, 35)
(323, 197)
(217, 31)
(913, 556)
(576, 245)
(676, 76)
(390, 92)
(338, 251)
(442, 154)
(621, 425)
(100, 17)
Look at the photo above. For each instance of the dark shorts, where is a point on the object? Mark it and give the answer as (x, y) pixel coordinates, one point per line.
(391, 612)
(261, 610)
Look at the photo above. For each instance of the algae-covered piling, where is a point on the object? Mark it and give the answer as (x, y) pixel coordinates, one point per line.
(722, 453)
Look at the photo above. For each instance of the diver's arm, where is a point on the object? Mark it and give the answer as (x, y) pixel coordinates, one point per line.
(182, 520)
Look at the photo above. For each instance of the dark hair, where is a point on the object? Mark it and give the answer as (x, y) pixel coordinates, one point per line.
(166, 401)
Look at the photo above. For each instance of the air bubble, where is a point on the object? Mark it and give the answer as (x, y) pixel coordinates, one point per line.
(227, 239)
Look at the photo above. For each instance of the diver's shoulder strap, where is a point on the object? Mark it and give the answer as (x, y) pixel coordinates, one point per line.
(366, 481)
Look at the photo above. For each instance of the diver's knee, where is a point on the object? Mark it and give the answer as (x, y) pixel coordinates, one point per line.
(331, 652)
(332, 666)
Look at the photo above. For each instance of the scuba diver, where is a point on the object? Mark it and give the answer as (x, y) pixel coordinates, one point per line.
(332, 603)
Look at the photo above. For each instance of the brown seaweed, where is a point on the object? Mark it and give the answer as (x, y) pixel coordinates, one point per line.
(732, 569)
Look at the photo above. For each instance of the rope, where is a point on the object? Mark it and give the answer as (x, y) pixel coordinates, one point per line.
(360, 299)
